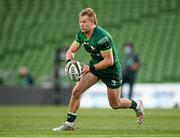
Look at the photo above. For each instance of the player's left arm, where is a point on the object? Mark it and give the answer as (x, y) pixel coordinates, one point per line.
(107, 61)
(106, 53)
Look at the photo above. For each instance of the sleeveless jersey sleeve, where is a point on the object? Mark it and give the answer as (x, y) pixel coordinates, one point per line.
(78, 38)
(105, 44)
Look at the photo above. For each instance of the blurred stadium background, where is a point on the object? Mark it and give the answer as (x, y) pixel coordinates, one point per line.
(32, 31)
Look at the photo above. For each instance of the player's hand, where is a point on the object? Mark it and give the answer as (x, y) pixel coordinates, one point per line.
(86, 69)
(67, 66)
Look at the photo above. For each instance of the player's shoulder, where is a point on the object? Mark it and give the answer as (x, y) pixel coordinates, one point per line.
(102, 32)
(79, 36)
(103, 35)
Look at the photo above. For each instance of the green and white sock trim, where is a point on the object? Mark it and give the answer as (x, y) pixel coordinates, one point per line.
(71, 117)
(133, 104)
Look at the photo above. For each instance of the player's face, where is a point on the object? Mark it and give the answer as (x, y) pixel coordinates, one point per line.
(85, 23)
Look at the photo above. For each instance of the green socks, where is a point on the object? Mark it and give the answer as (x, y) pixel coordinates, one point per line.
(133, 104)
(71, 117)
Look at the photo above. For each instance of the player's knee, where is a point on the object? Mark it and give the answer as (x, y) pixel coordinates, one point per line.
(114, 106)
(76, 92)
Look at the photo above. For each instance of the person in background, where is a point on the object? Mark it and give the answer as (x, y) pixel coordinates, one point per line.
(25, 78)
(130, 67)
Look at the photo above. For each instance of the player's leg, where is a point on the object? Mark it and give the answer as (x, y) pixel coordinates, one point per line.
(116, 103)
(87, 81)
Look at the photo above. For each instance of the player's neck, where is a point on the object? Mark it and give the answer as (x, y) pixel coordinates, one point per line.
(89, 34)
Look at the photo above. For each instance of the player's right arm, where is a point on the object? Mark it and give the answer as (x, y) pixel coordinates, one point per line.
(72, 50)
(70, 53)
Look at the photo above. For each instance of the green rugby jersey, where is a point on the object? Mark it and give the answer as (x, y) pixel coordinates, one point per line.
(100, 41)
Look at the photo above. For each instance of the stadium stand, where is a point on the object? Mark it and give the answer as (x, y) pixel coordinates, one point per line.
(32, 30)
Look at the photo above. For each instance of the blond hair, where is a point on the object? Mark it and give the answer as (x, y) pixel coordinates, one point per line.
(89, 12)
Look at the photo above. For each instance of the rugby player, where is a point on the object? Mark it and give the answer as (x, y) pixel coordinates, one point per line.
(104, 66)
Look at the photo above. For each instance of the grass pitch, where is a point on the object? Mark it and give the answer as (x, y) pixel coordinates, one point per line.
(37, 121)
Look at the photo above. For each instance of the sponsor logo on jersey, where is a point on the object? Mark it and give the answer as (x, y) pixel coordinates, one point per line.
(114, 82)
(92, 48)
(85, 44)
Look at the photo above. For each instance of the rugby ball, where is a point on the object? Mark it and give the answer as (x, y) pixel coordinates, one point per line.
(74, 71)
